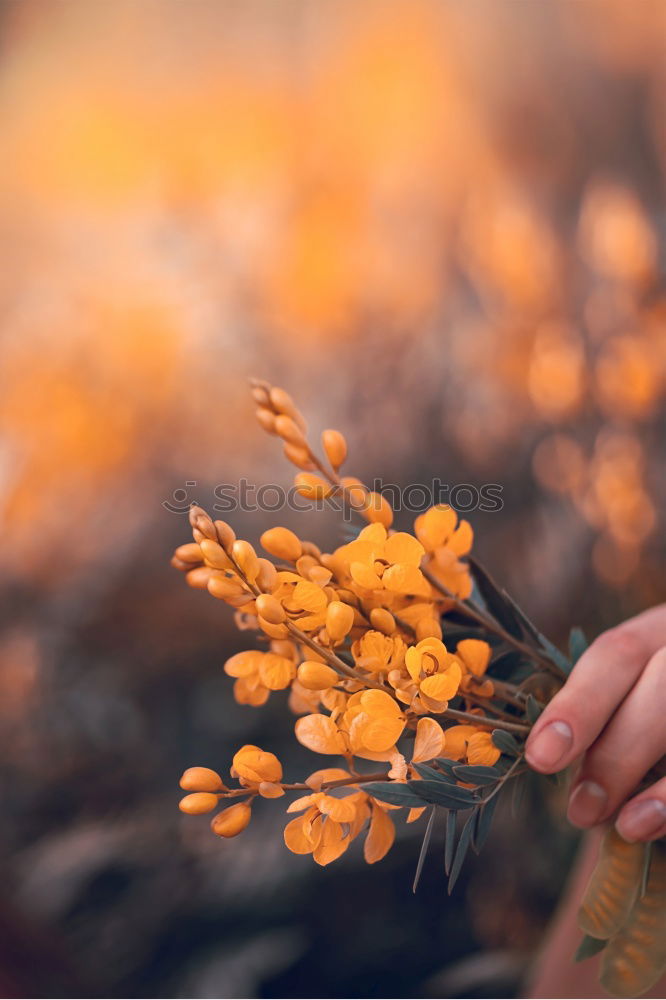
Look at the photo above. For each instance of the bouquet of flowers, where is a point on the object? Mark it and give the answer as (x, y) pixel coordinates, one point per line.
(414, 673)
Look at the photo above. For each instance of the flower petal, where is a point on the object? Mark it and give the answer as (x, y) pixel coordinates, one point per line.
(475, 654)
(332, 843)
(296, 838)
(429, 741)
(402, 547)
(319, 733)
(380, 836)
(457, 738)
(482, 750)
(276, 672)
(443, 687)
(405, 579)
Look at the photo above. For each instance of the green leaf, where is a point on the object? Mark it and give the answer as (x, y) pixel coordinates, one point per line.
(588, 947)
(451, 823)
(577, 644)
(506, 661)
(461, 851)
(495, 600)
(396, 793)
(424, 848)
(432, 774)
(483, 822)
(517, 796)
(556, 655)
(446, 765)
(442, 794)
(532, 709)
(529, 628)
(477, 774)
(506, 742)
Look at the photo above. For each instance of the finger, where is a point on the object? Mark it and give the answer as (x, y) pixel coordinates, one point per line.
(631, 743)
(572, 721)
(644, 817)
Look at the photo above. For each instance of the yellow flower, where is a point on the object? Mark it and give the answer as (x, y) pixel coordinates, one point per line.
(379, 561)
(374, 722)
(253, 765)
(257, 674)
(378, 653)
(306, 605)
(471, 744)
(474, 654)
(457, 739)
(320, 734)
(436, 671)
(436, 530)
(331, 822)
(482, 750)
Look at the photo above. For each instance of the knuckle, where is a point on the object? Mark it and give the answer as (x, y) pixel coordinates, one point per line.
(624, 641)
(656, 667)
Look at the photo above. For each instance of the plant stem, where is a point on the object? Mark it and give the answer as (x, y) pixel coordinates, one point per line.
(505, 777)
(480, 720)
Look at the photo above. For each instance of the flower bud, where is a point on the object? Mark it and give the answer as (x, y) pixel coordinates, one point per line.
(198, 578)
(316, 676)
(223, 587)
(299, 456)
(335, 447)
(355, 492)
(232, 821)
(382, 620)
(283, 403)
(215, 555)
(260, 395)
(198, 803)
(428, 628)
(226, 535)
(339, 620)
(310, 549)
(246, 559)
(267, 420)
(194, 513)
(270, 609)
(377, 510)
(282, 543)
(267, 574)
(289, 431)
(204, 526)
(273, 631)
(189, 553)
(311, 486)
(201, 779)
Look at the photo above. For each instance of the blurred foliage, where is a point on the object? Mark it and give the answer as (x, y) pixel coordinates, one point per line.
(443, 220)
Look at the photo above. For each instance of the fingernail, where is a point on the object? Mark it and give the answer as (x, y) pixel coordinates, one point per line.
(587, 804)
(549, 746)
(641, 819)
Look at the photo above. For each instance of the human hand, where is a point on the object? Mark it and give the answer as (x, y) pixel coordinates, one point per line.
(611, 713)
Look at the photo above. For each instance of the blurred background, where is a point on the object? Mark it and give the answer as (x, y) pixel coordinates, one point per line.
(440, 226)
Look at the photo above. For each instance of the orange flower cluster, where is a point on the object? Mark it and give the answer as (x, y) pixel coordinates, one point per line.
(356, 638)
